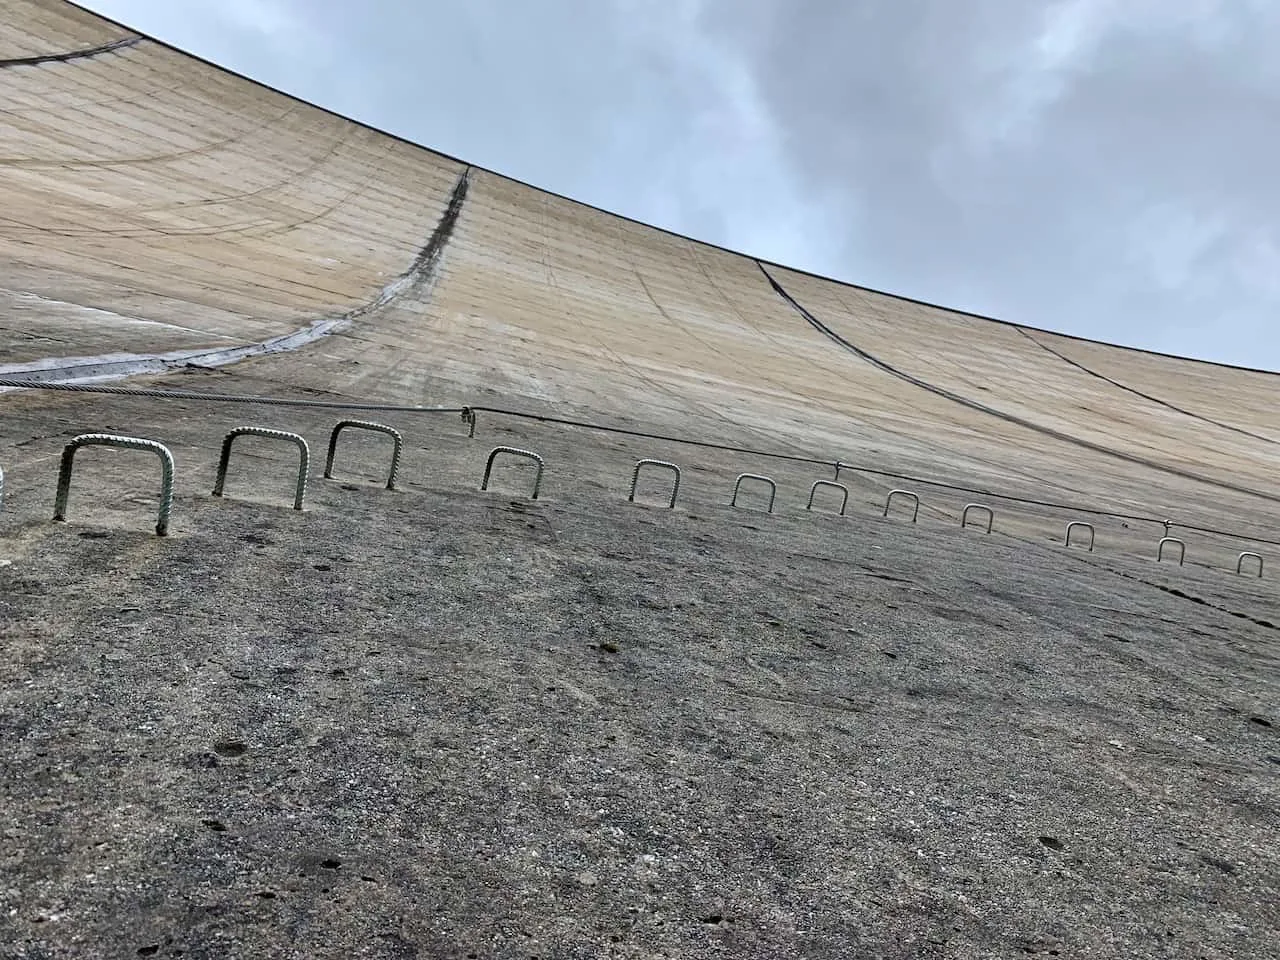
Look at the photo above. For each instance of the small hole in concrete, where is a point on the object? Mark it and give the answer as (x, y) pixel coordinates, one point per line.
(217, 826)
(230, 748)
(1053, 843)
(331, 864)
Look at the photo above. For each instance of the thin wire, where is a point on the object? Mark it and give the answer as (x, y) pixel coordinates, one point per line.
(219, 397)
(468, 412)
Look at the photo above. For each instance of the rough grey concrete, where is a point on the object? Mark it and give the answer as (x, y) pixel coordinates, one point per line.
(445, 723)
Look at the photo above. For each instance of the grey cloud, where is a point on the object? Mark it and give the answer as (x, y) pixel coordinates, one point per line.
(1100, 169)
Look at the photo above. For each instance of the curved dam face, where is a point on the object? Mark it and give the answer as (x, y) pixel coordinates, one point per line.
(156, 212)
(411, 695)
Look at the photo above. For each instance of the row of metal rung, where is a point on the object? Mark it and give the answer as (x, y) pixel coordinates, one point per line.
(304, 460)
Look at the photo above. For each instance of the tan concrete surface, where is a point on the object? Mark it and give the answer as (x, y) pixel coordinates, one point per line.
(152, 203)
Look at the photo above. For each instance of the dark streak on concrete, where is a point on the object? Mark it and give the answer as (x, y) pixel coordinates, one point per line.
(417, 278)
(427, 262)
(1001, 414)
(1138, 393)
(71, 55)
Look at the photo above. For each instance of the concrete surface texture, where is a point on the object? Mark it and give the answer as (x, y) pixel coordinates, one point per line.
(441, 722)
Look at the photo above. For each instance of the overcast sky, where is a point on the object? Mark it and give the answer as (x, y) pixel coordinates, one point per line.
(1102, 167)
